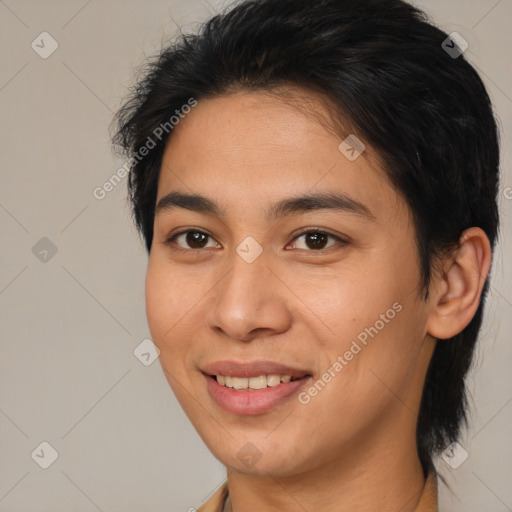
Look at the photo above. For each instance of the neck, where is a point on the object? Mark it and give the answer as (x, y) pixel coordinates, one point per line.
(385, 477)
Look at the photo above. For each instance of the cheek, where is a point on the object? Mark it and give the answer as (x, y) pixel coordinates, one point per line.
(157, 302)
(173, 311)
(165, 304)
(373, 322)
(169, 296)
(380, 359)
(348, 303)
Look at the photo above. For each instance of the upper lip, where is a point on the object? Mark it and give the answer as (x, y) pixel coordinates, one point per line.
(251, 369)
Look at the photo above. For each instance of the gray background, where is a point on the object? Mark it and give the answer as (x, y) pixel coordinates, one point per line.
(70, 324)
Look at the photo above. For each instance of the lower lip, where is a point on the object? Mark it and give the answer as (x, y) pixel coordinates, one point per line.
(257, 401)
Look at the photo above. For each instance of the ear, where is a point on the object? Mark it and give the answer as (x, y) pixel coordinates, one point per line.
(456, 292)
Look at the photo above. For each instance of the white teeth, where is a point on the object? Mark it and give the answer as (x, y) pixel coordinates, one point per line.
(240, 383)
(273, 380)
(260, 382)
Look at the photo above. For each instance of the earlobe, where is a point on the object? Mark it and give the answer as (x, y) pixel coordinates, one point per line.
(460, 286)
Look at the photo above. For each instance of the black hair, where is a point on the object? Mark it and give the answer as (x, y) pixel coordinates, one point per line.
(387, 69)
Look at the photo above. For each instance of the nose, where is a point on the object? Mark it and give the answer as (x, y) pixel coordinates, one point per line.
(250, 301)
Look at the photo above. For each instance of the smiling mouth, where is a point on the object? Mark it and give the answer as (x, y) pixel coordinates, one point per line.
(254, 383)
(253, 388)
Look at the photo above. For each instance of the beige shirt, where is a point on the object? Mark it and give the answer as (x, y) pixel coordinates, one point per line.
(220, 502)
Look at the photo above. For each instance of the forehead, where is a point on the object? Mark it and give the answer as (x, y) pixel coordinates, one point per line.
(256, 148)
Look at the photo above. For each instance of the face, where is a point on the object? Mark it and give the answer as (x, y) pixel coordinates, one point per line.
(311, 303)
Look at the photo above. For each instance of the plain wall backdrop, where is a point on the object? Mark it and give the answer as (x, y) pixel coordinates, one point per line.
(72, 273)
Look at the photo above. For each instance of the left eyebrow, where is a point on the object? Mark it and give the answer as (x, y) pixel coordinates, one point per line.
(320, 201)
(299, 204)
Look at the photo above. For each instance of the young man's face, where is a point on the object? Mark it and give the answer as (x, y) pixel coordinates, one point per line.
(246, 289)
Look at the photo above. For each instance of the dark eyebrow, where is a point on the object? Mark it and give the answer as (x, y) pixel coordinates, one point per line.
(298, 204)
(319, 201)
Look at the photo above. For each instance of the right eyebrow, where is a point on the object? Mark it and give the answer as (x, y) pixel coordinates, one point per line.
(193, 202)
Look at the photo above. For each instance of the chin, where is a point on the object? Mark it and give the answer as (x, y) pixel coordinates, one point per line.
(257, 457)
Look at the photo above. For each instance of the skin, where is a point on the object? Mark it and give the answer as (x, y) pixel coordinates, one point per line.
(353, 445)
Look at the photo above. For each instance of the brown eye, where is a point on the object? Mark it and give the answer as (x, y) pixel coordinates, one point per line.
(196, 239)
(191, 240)
(316, 240)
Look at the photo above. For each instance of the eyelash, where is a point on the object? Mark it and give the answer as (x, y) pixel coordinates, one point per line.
(170, 241)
